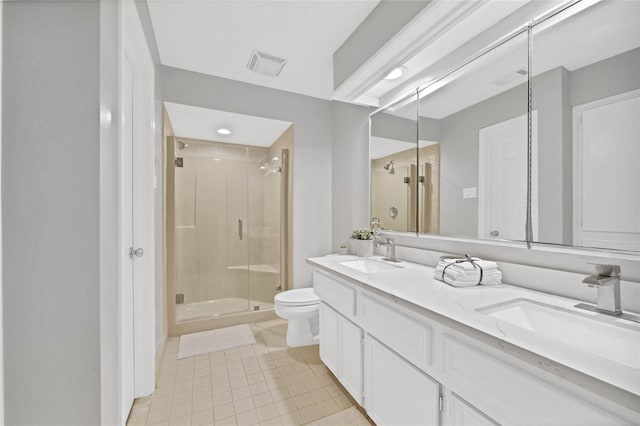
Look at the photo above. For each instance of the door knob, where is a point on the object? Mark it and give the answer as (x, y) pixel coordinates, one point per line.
(139, 252)
(494, 233)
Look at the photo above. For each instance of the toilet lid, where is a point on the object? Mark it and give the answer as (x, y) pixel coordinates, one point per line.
(298, 296)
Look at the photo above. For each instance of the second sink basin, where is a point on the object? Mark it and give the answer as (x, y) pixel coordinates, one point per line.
(369, 265)
(595, 333)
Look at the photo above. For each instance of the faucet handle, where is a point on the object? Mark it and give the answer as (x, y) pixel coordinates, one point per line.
(606, 270)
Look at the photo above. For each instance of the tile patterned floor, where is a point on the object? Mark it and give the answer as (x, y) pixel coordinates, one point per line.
(262, 384)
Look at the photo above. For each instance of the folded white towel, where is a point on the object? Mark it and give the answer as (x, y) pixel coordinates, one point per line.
(468, 266)
(467, 274)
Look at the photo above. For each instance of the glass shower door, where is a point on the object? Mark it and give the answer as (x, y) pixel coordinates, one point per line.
(212, 272)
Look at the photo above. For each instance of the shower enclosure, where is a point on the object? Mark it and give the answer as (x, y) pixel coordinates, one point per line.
(229, 205)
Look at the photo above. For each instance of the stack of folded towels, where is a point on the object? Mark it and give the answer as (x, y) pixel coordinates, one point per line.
(467, 272)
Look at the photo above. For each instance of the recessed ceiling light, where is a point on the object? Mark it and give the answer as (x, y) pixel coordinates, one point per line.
(395, 73)
(223, 131)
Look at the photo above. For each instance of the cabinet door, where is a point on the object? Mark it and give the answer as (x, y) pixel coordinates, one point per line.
(397, 393)
(464, 414)
(350, 355)
(329, 337)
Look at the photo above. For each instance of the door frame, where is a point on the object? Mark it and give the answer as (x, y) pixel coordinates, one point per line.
(577, 146)
(132, 44)
(483, 191)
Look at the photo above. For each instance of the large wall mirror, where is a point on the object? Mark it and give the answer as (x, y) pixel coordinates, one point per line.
(574, 117)
(586, 90)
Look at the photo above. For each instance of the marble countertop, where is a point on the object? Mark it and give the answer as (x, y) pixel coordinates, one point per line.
(414, 283)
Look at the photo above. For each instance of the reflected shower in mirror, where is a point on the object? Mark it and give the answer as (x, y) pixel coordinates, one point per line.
(394, 170)
(586, 90)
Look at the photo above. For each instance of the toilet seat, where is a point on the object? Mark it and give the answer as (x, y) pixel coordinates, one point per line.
(297, 297)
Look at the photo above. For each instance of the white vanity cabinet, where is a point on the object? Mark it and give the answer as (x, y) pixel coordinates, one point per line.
(397, 393)
(408, 366)
(341, 349)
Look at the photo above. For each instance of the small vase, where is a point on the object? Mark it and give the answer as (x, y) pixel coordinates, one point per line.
(343, 250)
(364, 248)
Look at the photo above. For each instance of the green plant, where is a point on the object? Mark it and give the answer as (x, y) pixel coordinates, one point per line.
(361, 234)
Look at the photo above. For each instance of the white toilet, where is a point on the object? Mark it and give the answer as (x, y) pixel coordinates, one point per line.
(300, 308)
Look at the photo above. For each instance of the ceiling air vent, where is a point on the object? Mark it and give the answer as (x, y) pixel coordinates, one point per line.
(265, 64)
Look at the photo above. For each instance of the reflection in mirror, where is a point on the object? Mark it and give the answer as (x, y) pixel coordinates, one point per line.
(586, 90)
(394, 169)
(473, 155)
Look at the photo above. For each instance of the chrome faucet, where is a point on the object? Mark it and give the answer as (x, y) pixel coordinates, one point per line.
(607, 279)
(391, 250)
(389, 243)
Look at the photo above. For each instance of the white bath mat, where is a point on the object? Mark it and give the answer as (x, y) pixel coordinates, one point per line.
(215, 340)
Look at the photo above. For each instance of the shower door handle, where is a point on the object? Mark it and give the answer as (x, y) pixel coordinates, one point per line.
(239, 229)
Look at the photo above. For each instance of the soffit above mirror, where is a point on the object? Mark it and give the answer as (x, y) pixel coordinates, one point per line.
(439, 37)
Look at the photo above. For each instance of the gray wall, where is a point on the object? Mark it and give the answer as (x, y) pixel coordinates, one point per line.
(612, 76)
(350, 163)
(50, 190)
(312, 136)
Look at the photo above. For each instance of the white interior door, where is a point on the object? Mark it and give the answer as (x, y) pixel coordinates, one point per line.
(502, 179)
(136, 297)
(607, 172)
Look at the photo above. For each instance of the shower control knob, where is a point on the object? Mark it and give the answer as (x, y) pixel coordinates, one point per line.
(139, 252)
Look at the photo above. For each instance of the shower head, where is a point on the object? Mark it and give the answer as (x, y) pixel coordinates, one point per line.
(389, 167)
(182, 145)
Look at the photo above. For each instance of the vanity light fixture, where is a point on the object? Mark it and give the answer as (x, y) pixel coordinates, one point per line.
(223, 131)
(275, 158)
(395, 73)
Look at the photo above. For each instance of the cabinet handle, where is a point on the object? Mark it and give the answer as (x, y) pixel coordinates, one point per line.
(239, 229)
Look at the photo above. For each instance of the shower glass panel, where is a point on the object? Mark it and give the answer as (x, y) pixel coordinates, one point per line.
(227, 206)
(265, 182)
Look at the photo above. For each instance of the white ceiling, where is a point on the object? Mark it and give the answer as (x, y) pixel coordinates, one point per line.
(201, 123)
(217, 37)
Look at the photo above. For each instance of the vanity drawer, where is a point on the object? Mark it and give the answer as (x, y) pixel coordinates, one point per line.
(410, 338)
(340, 295)
(507, 393)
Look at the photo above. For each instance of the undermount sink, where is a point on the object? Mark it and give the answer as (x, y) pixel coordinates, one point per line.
(596, 333)
(369, 265)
